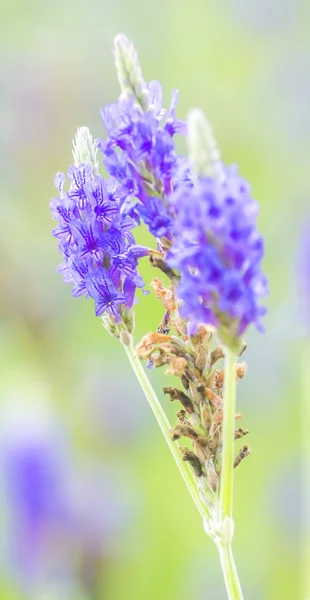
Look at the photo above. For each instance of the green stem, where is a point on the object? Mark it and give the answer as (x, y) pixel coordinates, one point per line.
(229, 413)
(165, 428)
(232, 583)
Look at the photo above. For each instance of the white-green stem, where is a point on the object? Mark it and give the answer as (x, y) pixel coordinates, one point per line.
(232, 583)
(231, 579)
(165, 428)
(228, 435)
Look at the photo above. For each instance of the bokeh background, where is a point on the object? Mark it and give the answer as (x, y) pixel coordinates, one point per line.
(91, 504)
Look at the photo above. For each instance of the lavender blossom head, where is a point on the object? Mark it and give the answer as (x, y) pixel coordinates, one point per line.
(95, 239)
(139, 152)
(143, 141)
(217, 249)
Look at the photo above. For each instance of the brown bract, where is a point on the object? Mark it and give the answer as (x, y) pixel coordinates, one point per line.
(164, 294)
(177, 366)
(149, 341)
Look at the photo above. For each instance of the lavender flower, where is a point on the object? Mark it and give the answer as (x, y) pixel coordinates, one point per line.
(218, 252)
(139, 152)
(95, 239)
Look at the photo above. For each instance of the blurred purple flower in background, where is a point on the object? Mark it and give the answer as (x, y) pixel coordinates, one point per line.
(64, 520)
(35, 483)
(303, 278)
(115, 411)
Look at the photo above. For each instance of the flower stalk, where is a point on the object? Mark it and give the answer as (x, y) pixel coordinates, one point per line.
(232, 583)
(230, 574)
(229, 413)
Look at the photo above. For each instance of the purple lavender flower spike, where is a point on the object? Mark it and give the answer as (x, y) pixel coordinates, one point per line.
(148, 158)
(218, 252)
(95, 238)
(139, 152)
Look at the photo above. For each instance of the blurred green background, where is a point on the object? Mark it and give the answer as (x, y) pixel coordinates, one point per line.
(126, 527)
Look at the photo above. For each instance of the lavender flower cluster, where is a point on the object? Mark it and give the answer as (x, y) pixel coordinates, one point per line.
(206, 221)
(95, 239)
(218, 252)
(140, 154)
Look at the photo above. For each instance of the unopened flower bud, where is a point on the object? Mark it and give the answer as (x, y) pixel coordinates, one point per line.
(129, 71)
(204, 154)
(84, 150)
